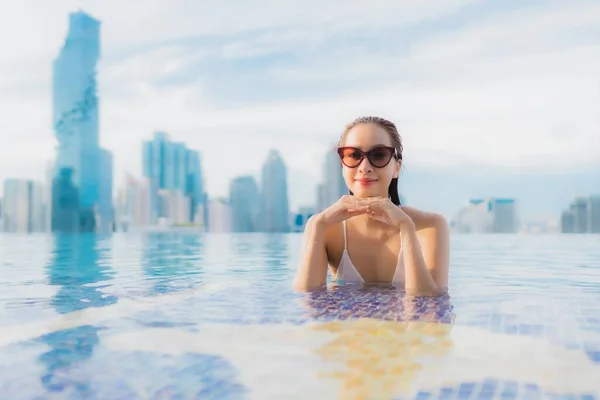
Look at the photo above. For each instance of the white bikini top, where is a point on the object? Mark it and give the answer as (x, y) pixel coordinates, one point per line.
(347, 272)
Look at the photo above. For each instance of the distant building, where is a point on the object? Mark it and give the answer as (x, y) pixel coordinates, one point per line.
(245, 204)
(274, 211)
(487, 215)
(172, 167)
(567, 222)
(505, 215)
(175, 207)
(132, 206)
(582, 216)
(594, 214)
(22, 206)
(300, 218)
(219, 215)
(105, 218)
(333, 186)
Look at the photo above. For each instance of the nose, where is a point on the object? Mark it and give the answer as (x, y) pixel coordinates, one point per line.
(365, 165)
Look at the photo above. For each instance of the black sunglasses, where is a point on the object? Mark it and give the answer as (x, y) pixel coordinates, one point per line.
(378, 157)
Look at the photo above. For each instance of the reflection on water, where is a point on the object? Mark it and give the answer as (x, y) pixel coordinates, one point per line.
(76, 270)
(172, 261)
(528, 316)
(275, 251)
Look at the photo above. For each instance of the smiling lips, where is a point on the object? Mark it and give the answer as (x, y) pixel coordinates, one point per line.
(366, 181)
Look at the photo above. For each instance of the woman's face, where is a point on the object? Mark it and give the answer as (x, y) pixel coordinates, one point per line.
(371, 177)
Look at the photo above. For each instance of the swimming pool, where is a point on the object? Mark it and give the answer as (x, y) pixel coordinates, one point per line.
(196, 316)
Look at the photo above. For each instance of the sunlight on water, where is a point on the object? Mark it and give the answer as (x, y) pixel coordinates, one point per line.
(184, 315)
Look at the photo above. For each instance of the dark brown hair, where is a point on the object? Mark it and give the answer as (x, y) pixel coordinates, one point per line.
(391, 129)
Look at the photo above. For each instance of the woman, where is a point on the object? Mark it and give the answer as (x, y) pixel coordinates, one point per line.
(367, 236)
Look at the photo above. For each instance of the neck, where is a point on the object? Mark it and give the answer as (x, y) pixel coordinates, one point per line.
(364, 222)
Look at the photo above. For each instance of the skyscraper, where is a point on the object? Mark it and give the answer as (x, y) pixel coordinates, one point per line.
(335, 186)
(171, 166)
(22, 209)
(275, 202)
(488, 215)
(582, 216)
(75, 122)
(244, 203)
(105, 202)
(195, 188)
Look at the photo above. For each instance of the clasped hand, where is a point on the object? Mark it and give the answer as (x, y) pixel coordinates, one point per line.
(378, 208)
(382, 209)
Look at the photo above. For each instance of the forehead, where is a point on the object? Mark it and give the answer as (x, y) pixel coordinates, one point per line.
(367, 136)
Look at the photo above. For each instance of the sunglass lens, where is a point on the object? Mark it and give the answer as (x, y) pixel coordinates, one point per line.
(351, 157)
(380, 157)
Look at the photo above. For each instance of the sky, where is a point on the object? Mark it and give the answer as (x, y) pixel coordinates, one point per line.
(491, 98)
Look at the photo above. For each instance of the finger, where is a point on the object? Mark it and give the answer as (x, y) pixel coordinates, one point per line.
(367, 201)
(358, 210)
(375, 207)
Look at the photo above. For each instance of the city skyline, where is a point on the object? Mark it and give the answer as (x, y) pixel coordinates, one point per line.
(153, 79)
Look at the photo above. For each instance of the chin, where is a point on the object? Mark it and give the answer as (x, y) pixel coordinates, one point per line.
(363, 192)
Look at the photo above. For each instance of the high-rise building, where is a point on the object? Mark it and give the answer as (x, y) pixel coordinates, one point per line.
(22, 206)
(274, 194)
(245, 204)
(594, 214)
(582, 216)
(132, 205)
(220, 216)
(66, 213)
(333, 186)
(172, 167)
(301, 218)
(48, 196)
(75, 122)
(105, 212)
(505, 215)
(491, 215)
(195, 188)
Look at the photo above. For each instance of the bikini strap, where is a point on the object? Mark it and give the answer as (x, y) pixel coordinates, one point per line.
(345, 243)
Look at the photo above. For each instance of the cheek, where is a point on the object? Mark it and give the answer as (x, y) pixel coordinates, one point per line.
(348, 174)
(388, 173)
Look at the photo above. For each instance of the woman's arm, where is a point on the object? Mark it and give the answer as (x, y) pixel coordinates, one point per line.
(426, 250)
(425, 246)
(312, 271)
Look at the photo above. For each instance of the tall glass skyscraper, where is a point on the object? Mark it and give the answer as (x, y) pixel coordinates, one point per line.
(244, 202)
(172, 166)
(275, 202)
(75, 120)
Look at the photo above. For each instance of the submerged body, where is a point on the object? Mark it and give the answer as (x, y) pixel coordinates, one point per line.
(367, 236)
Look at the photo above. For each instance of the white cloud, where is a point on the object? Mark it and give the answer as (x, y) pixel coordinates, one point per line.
(514, 89)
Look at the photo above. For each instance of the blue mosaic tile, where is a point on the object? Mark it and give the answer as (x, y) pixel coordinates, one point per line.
(74, 363)
(594, 355)
(445, 393)
(588, 397)
(423, 396)
(465, 390)
(509, 390)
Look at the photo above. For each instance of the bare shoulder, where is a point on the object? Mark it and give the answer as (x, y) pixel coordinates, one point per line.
(333, 238)
(331, 233)
(425, 220)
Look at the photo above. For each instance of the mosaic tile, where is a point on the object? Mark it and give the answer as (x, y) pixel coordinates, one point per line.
(510, 328)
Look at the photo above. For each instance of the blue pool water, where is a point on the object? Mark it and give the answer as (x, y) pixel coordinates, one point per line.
(196, 316)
